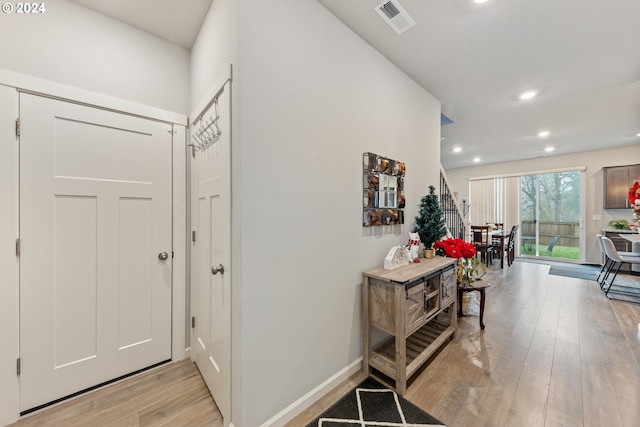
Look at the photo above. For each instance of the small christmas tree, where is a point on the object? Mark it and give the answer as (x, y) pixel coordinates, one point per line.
(430, 224)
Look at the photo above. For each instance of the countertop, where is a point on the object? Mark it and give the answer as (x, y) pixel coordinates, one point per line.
(615, 230)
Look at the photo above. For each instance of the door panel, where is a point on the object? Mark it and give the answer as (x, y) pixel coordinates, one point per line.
(551, 215)
(212, 249)
(95, 212)
(75, 274)
(135, 279)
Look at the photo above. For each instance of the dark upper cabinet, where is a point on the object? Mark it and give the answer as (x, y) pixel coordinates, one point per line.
(617, 181)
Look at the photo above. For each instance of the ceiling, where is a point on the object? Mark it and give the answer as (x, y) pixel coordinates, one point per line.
(580, 56)
(170, 20)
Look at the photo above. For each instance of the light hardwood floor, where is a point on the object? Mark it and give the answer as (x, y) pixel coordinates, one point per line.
(555, 352)
(173, 395)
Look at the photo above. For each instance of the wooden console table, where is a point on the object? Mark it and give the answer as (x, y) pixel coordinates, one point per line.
(416, 305)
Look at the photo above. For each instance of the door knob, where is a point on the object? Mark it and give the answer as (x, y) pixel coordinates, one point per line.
(218, 269)
(163, 255)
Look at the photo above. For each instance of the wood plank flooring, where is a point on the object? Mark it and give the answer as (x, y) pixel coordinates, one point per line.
(173, 395)
(555, 352)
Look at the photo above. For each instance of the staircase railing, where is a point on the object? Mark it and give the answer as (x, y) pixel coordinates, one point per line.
(449, 204)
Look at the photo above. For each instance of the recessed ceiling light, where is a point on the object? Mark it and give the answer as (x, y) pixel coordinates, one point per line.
(476, 159)
(544, 134)
(528, 95)
(480, 1)
(457, 149)
(638, 134)
(549, 149)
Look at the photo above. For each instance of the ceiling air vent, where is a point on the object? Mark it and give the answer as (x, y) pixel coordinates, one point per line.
(394, 14)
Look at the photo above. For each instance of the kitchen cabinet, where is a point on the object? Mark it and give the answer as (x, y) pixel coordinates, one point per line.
(617, 181)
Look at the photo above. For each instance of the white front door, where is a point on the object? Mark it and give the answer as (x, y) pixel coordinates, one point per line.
(95, 224)
(212, 256)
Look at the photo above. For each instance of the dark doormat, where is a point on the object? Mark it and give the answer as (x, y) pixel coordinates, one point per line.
(372, 404)
(587, 272)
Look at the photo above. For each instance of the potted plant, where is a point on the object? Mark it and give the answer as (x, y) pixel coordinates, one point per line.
(429, 223)
(620, 224)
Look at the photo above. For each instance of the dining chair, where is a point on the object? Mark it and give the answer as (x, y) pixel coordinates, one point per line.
(616, 262)
(496, 242)
(482, 241)
(607, 261)
(511, 245)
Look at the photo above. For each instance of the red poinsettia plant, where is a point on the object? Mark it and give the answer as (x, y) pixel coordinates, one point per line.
(634, 197)
(634, 192)
(454, 248)
(469, 269)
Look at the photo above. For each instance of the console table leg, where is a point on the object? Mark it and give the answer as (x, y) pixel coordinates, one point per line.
(366, 327)
(482, 309)
(400, 342)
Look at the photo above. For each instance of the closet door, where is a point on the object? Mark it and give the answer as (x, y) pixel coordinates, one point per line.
(95, 232)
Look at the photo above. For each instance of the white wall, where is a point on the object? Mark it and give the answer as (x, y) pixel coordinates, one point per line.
(76, 46)
(216, 47)
(593, 160)
(314, 97)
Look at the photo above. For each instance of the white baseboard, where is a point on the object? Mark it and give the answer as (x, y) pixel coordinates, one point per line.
(291, 411)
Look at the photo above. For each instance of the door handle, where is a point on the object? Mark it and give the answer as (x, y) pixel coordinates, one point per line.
(162, 256)
(218, 269)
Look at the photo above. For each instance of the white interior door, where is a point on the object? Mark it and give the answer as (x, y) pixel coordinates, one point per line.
(212, 256)
(95, 213)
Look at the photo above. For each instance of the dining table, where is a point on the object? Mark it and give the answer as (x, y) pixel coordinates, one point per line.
(634, 238)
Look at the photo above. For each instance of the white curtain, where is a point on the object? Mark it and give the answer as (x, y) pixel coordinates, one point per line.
(495, 199)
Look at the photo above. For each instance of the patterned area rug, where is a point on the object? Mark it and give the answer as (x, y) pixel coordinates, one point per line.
(372, 404)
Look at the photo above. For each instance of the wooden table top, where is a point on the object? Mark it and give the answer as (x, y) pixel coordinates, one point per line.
(407, 273)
